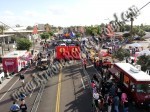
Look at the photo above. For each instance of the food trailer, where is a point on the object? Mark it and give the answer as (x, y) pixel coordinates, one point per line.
(133, 81)
(15, 61)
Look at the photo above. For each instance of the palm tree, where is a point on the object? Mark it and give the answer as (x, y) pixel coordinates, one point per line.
(47, 27)
(131, 30)
(2, 28)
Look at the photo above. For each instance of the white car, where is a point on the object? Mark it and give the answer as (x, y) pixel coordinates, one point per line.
(63, 44)
(2, 75)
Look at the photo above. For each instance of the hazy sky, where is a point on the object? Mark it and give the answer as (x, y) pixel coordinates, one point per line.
(68, 12)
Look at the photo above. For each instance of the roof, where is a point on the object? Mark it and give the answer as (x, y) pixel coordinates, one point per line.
(138, 76)
(22, 31)
(6, 35)
(15, 54)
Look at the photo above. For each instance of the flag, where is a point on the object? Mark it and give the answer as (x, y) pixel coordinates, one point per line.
(35, 30)
(72, 34)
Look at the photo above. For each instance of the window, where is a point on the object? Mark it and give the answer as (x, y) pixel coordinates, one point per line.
(126, 80)
(143, 88)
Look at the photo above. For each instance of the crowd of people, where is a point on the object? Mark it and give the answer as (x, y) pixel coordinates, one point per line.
(107, 96)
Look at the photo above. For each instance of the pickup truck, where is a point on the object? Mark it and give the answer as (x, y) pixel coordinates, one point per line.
(2, 75)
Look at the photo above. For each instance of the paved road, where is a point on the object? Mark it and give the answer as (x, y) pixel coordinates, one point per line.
(73, 97)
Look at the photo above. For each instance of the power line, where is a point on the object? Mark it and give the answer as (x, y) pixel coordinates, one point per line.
(143, 6)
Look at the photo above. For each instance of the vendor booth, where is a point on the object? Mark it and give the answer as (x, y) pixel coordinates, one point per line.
(16, 60)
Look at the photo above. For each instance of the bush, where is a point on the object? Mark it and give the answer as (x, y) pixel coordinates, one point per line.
(23, 44)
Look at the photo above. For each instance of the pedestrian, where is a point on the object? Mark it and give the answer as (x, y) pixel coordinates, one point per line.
(95, 78)
(126, 105)
(15, 107)
(96, 98)
(94, 62)
(113, 90)
(127, 61)
(110, 102)
(23, 107)
(116, 103)
(22, 96)
(22, 79)
(101, 102)
(85, 63)
(123, 97)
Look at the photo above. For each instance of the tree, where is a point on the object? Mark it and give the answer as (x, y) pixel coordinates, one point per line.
(126, 35)
(45, 36)
(144, 61)
(17, 25)
(29, 28)
(2, 28)
(23, 44)
(47, 27)
(141, 33)
(121, 54)
(51, 33)
(127, 27)
(78, 35)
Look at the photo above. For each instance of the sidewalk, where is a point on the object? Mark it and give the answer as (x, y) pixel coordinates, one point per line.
(5, 82)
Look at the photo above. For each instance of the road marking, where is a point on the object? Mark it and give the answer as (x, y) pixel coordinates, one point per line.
(8, 90)
(57, 109)
(82, 83)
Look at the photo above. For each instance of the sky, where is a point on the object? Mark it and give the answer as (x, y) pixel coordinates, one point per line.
(68, 12)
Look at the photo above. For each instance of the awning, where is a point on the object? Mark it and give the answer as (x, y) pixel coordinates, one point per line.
(113, 70)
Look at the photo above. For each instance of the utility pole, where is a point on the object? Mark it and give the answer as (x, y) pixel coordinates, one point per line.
(131, 30)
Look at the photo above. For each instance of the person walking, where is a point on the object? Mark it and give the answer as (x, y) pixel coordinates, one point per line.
(116, 103)
(110, 101)
(22, 79)
(23, 106)
(22, 96)
(96, 98)
(95, 78)
(126, 105)
(15, 107)
(85, 63)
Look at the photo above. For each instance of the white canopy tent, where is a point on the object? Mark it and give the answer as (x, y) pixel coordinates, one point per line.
(84, 39)
(135, 45)
(144, 52)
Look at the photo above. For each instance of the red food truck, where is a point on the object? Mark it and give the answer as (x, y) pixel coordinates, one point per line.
(133, 81)
(15, 61)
